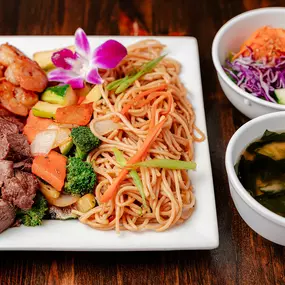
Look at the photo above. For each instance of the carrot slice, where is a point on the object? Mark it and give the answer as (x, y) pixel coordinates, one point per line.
(152, 135)
(149, 98)
(35, 125)
(154, 110)
(51, 168)
(140, 96)
(75, 114)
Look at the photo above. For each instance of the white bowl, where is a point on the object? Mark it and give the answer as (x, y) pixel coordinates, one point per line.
(266, 223)
(229, 38)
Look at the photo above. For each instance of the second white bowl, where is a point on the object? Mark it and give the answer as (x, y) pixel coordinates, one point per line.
(229, 38)
(260, 219)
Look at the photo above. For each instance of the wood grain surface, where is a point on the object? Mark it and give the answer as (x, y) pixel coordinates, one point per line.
(243, 257)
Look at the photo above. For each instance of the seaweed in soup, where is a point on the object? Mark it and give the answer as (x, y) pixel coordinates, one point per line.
(261, 170)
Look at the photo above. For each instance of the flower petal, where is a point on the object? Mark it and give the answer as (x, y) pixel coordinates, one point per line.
(65, 76)
(109, 54)
(94, 77)
(63, 58)
(76, 83)
(82, 43)
(60, 75)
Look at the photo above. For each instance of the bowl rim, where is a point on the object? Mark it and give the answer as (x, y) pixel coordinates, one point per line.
(218, 65)
(232, 176)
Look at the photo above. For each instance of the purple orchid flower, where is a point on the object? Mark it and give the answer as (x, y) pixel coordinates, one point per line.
(75, 68)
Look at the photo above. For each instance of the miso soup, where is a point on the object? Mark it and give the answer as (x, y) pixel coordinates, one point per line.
(261, 170)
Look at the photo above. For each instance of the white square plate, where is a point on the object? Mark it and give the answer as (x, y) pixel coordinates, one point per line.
(199, 232)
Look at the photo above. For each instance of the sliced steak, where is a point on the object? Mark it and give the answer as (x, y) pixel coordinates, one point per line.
(28, 181)
(15, 121)
(14, 147)
(7, 127)
(20, 145)
(6, 171)
(4, 147)
(24, 165)
(20, 190)
(7, 215)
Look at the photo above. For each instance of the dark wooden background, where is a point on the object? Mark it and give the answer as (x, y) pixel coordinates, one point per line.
(243, 257)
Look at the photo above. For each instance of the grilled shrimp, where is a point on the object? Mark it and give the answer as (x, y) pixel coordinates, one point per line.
(9, 54)
(16, 99)
(22, 71)
(27, 74)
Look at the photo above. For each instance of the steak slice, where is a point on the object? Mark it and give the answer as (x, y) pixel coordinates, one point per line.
(15, 121)
(6, 171)
(20, 145)
(4, 147)
(7, 127)
(7, 215)
(24, 165)
(14, 147)
(28, 181)
(20, 190)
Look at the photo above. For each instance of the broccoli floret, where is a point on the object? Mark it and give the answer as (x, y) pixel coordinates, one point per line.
(81, 177)
(34, 216)
(84, 141)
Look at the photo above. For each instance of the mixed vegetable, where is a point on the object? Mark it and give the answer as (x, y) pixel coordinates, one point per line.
(259, 66)
(57, 128)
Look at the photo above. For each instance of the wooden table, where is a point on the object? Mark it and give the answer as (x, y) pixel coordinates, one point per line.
(243, 257)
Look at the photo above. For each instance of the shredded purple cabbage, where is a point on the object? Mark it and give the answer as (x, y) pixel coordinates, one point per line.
(260, 78)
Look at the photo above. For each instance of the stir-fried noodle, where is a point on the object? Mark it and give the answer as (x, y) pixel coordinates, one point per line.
(169, 196)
